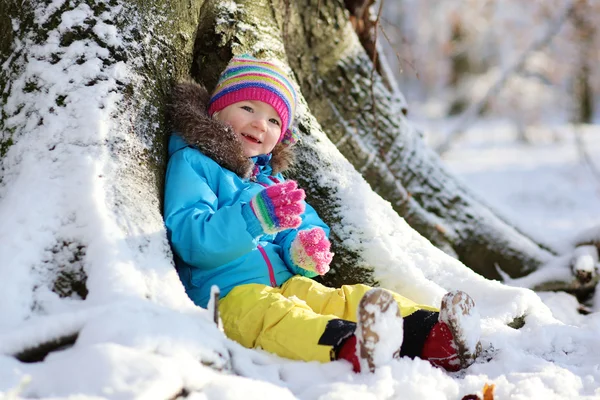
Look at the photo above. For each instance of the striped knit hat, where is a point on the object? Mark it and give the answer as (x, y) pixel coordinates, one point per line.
(248, 78)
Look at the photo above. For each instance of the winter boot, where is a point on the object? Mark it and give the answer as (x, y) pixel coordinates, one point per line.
(379, 329)
(347, 351)
(453, 342)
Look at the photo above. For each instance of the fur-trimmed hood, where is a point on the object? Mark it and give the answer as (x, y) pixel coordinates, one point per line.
(188, 113)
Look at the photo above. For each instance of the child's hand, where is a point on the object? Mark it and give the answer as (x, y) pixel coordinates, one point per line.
(310, 251)
(277, 207)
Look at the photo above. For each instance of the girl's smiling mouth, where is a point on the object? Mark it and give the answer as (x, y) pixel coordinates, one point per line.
(251, 138)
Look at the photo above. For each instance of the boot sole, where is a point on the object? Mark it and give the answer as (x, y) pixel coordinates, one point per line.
(455, 307)
(373, 307)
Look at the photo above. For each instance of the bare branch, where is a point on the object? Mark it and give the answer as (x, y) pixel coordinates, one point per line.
(475, 109)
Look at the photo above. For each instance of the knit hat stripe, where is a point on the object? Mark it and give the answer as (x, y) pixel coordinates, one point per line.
(245, 59)
(233, 88)
(261, 71)
(238, 63)
(247, 78)
(266, 83)
(259, 77)
(257, 67)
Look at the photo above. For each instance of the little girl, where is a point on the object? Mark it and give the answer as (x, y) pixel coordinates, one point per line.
(235, 222)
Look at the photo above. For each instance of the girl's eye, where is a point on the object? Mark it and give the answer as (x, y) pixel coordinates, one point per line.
(274, 121)
(247, 108)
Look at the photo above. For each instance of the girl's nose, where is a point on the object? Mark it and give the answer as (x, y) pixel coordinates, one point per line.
(260, 123)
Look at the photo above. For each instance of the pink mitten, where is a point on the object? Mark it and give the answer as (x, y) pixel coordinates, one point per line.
(275, 209)
(310, 251)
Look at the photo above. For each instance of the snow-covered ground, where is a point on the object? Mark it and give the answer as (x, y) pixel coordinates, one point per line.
(545, 185)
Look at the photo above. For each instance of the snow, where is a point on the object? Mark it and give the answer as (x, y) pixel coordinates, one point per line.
(585, 259)
(544, 186)
(138, 336)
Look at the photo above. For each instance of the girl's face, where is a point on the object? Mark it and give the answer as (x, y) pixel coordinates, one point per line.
(256, 124)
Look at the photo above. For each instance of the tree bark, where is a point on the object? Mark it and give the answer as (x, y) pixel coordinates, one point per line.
(171, 49)
(460, 65)
(583, 96)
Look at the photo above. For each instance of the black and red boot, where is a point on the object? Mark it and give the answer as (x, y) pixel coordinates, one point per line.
(378, 335)
(453, 342)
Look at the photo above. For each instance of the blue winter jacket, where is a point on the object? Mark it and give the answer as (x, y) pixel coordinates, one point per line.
(203, 216)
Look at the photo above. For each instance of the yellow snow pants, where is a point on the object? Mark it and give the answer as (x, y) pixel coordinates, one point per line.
(289, 320)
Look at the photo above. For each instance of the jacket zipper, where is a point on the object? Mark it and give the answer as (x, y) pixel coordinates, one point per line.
(269, 265)
(262, 250)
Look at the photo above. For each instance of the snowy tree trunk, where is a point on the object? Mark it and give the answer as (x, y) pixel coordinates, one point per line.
(393, 158)
(83, 86)
(336, 80)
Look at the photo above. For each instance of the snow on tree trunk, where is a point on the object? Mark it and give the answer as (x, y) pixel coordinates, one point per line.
(394, 159)
(82, 141)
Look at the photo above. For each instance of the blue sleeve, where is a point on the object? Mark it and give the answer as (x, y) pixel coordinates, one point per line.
(201, 234)
(310, 219)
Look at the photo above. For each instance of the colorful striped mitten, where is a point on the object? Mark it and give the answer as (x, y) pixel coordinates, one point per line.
(274, 209)
(310, 251)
